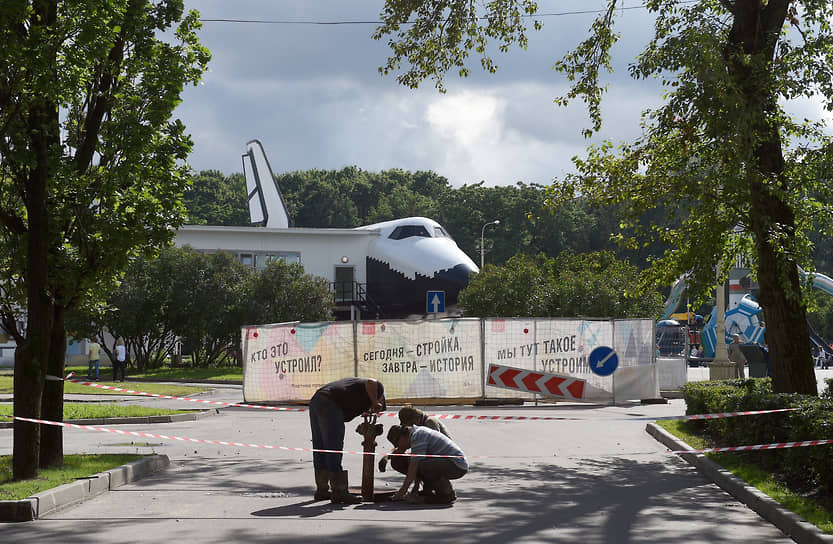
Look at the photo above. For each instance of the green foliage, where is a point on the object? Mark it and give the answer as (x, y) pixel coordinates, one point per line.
(75, 467)
(87, 410)
(820, 313)
(202, 299)
(352, 197)
(600, 285)
(91, 168)
(214, 199)
(207, 303)
(816, 510)
(519, 288)
(283, 292)
(586, 285)
(439, 35)
(805, 468)
(736, 176)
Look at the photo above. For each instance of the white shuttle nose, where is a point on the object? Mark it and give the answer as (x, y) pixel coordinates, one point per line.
(459, 275)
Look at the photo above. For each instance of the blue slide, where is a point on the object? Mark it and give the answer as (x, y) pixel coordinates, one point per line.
(744, 319)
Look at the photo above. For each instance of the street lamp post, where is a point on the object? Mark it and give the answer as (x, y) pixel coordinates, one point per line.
(482, 249)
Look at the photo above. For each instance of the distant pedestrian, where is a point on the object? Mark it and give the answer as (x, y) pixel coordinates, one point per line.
(121, 359)
(330, 407)
(737, 356)
(94, 353)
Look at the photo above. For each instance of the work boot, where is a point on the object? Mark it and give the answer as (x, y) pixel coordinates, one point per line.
(443, 492)
(322, 484)
(340, 495)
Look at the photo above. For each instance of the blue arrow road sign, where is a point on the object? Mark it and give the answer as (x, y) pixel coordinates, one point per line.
(603, 360)
(435, 302)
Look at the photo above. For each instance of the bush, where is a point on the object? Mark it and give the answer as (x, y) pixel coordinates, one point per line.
(804, 468)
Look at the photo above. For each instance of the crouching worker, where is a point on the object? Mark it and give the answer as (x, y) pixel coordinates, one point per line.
(330, 407)
(434, 472)
(408, 415)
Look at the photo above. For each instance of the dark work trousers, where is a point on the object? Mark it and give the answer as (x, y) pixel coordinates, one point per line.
(436, 472)
(118, 367)
(326, 420)
(400, 463)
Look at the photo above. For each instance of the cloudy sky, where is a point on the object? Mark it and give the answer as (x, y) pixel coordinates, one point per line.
(313, 95)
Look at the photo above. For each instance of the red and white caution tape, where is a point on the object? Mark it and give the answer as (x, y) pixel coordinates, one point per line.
(278, 408)
(461, 417)
(720, 415)
(213, 442)
(756, 447)
(173, 397)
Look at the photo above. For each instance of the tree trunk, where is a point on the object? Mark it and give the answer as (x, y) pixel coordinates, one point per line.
(749, 53)
(31, 357)
(52, 404)
(787, 333)
(28, 387)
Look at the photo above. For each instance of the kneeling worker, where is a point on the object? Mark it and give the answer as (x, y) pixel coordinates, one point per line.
(408, 415)
(435, 472)
(330, 407)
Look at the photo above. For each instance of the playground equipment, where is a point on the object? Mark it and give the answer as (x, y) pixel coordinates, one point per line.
(743, 318)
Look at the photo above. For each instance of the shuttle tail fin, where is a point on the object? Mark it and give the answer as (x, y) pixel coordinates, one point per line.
(266, 205)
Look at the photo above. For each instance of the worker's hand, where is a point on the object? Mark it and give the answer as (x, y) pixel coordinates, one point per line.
(383, 463)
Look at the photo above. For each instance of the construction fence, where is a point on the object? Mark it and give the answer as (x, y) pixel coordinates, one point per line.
(445, 360)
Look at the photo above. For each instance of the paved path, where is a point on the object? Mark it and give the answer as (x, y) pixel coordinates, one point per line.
(599, 479)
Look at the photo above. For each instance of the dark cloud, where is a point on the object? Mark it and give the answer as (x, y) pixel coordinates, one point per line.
(313, 96)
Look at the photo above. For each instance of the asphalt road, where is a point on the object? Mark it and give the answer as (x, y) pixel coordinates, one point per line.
(599, 478)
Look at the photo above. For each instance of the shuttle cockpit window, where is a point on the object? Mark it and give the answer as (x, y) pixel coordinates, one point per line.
(440, 233)
(407, 231)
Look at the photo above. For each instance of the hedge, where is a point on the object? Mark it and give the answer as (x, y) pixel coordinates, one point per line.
(806, 468)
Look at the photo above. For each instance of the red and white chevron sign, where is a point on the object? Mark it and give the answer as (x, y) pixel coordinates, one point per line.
(535, 382)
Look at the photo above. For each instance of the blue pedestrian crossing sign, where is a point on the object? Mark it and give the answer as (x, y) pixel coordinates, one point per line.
(435, 302)
(603, 360)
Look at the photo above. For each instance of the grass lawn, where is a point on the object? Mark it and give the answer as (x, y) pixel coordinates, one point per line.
(86, 410)
(219, 374)
(176, 390)
(82, 466)
(75, 466)
(818, 514)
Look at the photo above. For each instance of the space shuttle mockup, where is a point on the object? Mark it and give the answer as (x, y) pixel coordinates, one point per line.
(405, 260)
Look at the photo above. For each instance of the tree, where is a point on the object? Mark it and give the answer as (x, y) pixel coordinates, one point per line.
(521, 287)
(214, 199)
(737, 176)
(207, 303)
(284, 292)
(136, 310)
(91, 170)
(203, 300)
(595, 284)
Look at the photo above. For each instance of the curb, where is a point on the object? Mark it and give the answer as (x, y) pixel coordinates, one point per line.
(790, 523)
(45, 502)
(141, 420)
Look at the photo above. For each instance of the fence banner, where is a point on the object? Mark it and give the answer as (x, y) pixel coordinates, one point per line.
(290, 361)
(636, 378)
(445, 358)
(427, 359)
